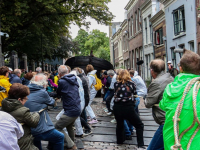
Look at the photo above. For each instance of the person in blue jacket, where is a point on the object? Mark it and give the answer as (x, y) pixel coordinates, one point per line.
(38, 100)
(15, 78)
(68, 89)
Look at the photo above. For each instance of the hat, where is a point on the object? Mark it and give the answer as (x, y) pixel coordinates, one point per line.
(169, 62)
(105, 73)
(10, 69)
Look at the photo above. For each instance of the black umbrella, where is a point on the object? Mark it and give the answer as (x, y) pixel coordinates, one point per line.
(83, 61)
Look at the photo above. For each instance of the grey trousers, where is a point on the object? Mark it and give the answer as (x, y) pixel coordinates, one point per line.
(66, 122)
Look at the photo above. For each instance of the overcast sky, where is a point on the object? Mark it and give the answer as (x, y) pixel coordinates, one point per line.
(116, 7)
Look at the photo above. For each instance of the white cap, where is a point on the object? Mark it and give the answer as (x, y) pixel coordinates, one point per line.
(10, 69)
(169, 62)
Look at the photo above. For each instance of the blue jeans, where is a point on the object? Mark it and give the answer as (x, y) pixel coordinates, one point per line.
(55, 138)
(106, 95)
(157, 140)
(128, 127)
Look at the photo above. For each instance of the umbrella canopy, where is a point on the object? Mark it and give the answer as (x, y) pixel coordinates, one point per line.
(83, 61)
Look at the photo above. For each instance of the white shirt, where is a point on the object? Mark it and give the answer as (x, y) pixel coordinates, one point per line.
(10, 132)
(140, 85)
(114, 79)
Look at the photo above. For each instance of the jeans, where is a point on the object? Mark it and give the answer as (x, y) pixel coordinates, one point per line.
(108, 99)
(157, 140)
(55, 138)
(106, 95)
(83, 115)
(126, 111)
(128, 127)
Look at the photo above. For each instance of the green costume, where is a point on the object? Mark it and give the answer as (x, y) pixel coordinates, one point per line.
(171, 97)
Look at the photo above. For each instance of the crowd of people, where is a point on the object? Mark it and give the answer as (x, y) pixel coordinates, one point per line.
(24, 101)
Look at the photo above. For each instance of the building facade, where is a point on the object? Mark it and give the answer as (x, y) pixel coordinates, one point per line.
(112, 30)
(181, 22)
(135, 35)
(159, 32)
(148, 9)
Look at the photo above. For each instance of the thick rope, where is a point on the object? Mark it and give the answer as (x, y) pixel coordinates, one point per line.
(176, 118)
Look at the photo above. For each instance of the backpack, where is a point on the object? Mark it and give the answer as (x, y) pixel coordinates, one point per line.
(98, 84)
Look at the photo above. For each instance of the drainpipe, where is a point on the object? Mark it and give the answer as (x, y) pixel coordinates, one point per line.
(153, 43)
(165, 39)
(113, 55)
(143, 65)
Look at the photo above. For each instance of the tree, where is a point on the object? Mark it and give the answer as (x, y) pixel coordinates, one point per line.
(29, 21)
(95, 41)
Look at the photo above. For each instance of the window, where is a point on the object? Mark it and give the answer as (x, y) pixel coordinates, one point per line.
(179, 20)
(124, 41)
(139, 15)
(129, 32)
(136, 22)
(159, 36)
(191, 44)
(150, 29)
(141, 53)
(132, 26)
(146, 34)
(173, 55)
(147, 65)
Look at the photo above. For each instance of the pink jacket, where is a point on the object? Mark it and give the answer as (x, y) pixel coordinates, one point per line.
(53, 84)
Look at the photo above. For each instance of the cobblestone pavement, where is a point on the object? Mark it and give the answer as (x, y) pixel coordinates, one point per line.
(98, 106)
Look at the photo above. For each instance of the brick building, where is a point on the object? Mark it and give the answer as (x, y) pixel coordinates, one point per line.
(135, 45)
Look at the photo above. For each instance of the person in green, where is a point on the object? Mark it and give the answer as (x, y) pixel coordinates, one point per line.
(189, 69)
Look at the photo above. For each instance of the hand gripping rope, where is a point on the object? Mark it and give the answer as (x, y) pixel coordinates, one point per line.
(176, 119)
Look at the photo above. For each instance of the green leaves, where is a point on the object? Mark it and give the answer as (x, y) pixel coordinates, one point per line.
(95, 41)
(26, 20)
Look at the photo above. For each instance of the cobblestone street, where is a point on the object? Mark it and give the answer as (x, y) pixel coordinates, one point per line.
(103, 133)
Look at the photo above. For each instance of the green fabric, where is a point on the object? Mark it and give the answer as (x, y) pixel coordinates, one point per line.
(171, 97)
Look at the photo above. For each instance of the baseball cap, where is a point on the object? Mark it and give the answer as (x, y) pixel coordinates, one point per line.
(169, 62)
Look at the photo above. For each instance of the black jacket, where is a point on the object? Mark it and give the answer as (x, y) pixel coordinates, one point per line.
(86, 89)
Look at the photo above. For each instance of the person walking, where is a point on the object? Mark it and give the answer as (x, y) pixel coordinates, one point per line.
(92, 81)
(14, 105)
(124, 102)
(154, 96)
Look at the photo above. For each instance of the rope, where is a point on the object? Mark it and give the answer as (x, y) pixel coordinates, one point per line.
(176, 119)
(38, 112)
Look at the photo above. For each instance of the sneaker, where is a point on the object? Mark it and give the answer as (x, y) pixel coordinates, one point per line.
(79, 136)
(93, 121)
(88, 118)
(106, 111)
(113, 121)
(128, 137)
(87, 132)
(109, 113)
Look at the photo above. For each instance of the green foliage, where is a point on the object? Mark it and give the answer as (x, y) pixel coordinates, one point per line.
(95, 41)
(38, 26)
